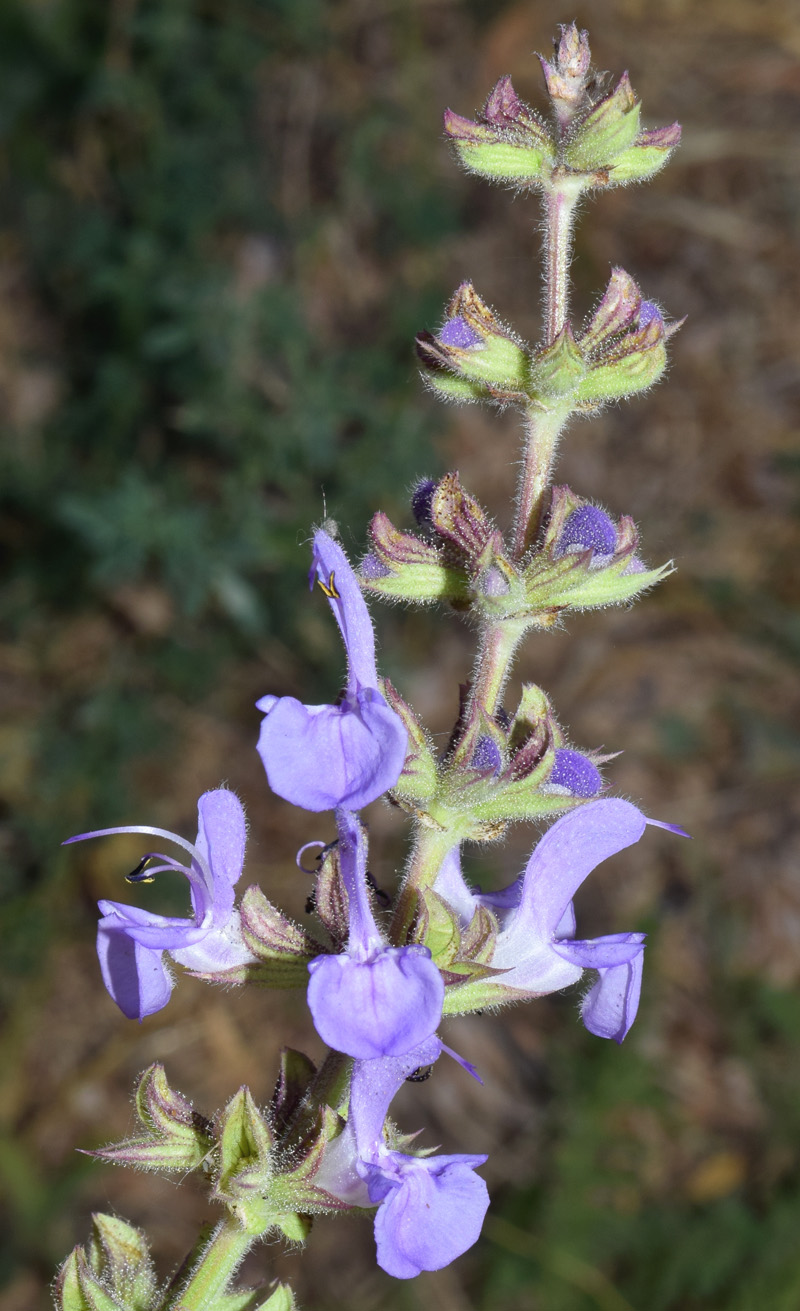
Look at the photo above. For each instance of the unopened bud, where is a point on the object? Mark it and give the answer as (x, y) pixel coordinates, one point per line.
(567, 75)
(475, 345)
(588, 529)
(573, 775)
(610, 127)
(421, 498)
(506, 142)
(487, 757)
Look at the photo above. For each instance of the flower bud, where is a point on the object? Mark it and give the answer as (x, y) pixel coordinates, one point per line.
(617, 311)
(646, 157)
(567, 76)
(626, 361)
(421, 498)
(461, 520)
(579, 564)
(487, 757)
(294, 1077)
(175, 1136)
(558, 369)
(476, 346)
(588, 529)
(78, 1288)
(417, 782)
(282, 947)
(118, 1254)
(609, 128)
(410, 568)
(506, 142)
(573, 775)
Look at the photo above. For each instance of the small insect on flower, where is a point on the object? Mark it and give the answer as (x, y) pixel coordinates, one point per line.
(421, 1075)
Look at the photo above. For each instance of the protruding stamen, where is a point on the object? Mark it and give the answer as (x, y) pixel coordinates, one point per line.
(142, 874)
(329, 588)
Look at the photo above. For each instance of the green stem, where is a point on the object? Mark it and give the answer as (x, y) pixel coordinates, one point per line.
(543, 428)
(216, 1265)
(500, 641)
(431, 845)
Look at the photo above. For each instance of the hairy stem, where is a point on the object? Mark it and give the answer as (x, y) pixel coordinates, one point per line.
(500, 641)
(214, 1269)
(559, 214)
(431, 845)
(543, 428)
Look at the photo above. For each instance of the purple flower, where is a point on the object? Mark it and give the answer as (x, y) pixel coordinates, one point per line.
(320, 757)
(536, 945)
(371, 1000)
(131, 942)
(430, 1208)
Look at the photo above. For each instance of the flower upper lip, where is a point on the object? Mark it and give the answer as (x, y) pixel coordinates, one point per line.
(358, 747)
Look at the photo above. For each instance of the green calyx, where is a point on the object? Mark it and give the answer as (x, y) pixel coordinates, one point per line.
(608, 129)
(173, 1137)
(570, 582)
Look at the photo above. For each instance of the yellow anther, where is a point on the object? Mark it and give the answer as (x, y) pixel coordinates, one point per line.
(139, 875)
(329, 588)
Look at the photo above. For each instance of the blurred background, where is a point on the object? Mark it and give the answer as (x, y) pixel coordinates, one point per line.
(221, 225)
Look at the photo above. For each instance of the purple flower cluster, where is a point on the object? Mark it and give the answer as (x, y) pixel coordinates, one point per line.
(378, 1003)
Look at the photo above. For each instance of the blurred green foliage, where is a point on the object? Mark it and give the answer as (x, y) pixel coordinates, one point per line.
(170, 217)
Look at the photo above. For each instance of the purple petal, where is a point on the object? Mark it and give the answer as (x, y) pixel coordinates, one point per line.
(588, 529)
(574, 774)
(379, 1007)
(321, 757)
(566, 855)
(372, 567)
(158, 932)
(349, 608)
(431, 1215)
(453, 888)
(568, 924)
(671, 828)
(601, 953)
(221, 838)
(648, 312)
(134, 975)
(457, 332)
(609, 1007)
(421, 499)
(373, 1086)
(486, 757)
(221, 948)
